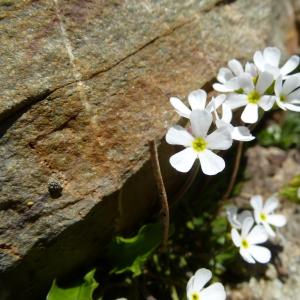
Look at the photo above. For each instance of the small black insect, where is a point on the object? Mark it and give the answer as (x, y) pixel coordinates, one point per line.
(55, 189)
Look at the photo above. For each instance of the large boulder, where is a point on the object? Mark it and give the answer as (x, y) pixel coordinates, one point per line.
(84, 87)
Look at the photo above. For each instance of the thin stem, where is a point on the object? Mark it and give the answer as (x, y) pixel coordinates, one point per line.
(187, 185)
(162, 192)
(235, 171)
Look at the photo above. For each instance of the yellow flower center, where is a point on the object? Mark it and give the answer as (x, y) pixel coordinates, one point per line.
(253, 97)
(199, 144)
(263, 217)
(195, 296)
(245, 244)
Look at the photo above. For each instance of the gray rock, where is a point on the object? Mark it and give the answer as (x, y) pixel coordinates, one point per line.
(269, 169)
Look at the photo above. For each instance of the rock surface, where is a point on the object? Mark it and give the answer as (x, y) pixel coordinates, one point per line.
(269, 169)
(84, 87)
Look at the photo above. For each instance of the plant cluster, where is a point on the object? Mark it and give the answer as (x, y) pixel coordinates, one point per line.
(258, 85)
(213, 126)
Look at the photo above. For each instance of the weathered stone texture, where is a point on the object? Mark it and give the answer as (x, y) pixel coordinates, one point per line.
(268, 170)
(84, 87)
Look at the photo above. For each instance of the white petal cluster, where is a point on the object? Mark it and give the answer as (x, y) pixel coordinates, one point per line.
(195, 287)
(269, 60)
(260, 84)
(246, 237)
(288, 93)
(264, 213)
(236, 219)
(199, 144)
(257, 85)
(238, 133)
(253, 96)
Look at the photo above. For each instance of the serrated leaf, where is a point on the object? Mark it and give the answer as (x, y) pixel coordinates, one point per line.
(82, 291)
(130, 254)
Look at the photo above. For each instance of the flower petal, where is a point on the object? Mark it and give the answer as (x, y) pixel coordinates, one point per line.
(246, 226)
(271, 204)
(269, 229)
(180, 107)
(250, 113)
(236, 100)
(274, 71)
(246, 256)
(292, 107)
(197, 99)
(251, 69)
(200, 121)
(265, 79)
(245, 82)
(243, 215)
(290, 84)
(236, 238)
(278, 86)
(222, 88)
(226, 113)
(291, 64)
(236, 67)
(257, 202)
(183, 160)
(220, 139)
(211, 163)
(259, 60)
(266, 102)
(232, 213)
(215, 291)
(294, 95)
(257, 235)
(224, 75)
(177, 135)
(202, 276)
(260, 254)
(272, 56)
(215, 103)
(190, 288)
(242, 133)
(277, 220)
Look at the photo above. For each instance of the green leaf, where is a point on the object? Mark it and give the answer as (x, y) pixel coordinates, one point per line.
(130, 254)
(291, 191)
(285, 136)
(219, 225)
(82, 291)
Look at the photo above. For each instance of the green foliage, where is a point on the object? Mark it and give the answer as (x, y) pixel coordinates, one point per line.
(82, 291)
(290, 191)
(285, 136)
(130, 254)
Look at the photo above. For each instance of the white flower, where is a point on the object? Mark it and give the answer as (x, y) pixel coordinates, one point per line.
(288, 93)
(227, 77)
(236, 219)
(253, 96)
(238, 133)
(199, 145)
(269, 61)
(195, 290)
(197, 100)
(247, 242)
(263, 213)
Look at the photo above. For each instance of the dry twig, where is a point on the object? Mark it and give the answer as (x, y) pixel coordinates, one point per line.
(162, 192)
